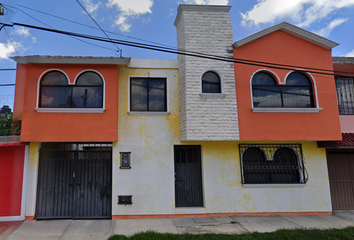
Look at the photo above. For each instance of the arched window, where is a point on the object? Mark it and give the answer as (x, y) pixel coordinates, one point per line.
(56, 93)
(252, 158)
(266, 93)
(211, 83)
(287, 166)
(296, 93)
(88, 91)
(284, 166)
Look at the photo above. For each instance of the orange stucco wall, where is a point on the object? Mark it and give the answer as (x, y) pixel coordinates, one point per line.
(346, 121)
(42, 127)
(280, 47)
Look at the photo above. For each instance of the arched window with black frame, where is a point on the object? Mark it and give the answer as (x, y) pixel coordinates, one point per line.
(272, 164)
(286, 162)
(253, 158)
(88, 91)
(55, 92)
(296, 93)
(211, 83)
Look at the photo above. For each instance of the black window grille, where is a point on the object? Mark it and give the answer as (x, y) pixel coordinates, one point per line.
(211, 83)
(148, 94)
(296, 93)
(86, 93)
(272, 164)
(345, 90)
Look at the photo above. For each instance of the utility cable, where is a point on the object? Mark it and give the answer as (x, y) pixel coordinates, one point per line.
(175, 49)
(145, 46)
(120, 50)
(3, 24)
(65, 19)
(71, 36)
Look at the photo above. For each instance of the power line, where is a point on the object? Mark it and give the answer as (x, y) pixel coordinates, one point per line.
(9, 37)
(176, 49)
(120, 50)
(162, 49)
(54, 28)
(65, 19)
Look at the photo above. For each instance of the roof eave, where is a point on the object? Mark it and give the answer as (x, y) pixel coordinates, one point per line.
(71, 60)
(290, 29)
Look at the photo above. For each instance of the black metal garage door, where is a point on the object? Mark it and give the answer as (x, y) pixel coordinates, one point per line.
(74, 181)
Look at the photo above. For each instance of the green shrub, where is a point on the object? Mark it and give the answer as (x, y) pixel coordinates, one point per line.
(5, 124)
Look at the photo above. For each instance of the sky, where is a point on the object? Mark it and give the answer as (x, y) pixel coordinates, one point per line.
(151, 21)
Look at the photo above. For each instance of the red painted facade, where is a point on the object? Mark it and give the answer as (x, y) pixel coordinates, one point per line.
(284, 48)
(72, 126)
(11, 179)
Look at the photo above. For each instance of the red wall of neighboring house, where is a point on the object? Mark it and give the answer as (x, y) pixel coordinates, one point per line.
(283, 48)
(59, 127)
(11, 179)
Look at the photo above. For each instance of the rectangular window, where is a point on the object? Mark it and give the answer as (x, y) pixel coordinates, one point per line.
(148, 94)
(345, 90)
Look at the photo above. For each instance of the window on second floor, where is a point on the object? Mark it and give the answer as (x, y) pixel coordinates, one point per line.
(56, 93)
(211, 83)
(345, 97)
(296, 93)
(148, 94)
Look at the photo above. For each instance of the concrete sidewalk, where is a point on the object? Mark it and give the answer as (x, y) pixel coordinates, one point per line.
(102, 229)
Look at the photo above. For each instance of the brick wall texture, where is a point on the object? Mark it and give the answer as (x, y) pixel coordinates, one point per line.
(206, 31)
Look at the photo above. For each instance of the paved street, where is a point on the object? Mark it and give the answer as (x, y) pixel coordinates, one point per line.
(102, 229)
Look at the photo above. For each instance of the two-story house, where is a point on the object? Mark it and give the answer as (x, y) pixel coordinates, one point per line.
(121, 137)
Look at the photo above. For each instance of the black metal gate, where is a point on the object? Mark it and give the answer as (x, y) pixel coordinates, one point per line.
(74, 181)
(188, 176)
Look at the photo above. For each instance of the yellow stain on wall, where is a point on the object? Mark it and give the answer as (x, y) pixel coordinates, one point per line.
(33, 156)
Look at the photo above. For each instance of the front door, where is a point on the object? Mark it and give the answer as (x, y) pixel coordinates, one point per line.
(74, 181)
(188, 176)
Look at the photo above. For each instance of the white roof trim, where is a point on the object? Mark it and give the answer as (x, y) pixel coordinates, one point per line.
(71, 60)
(290, 29)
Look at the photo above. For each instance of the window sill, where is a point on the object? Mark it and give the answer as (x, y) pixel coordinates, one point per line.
(212, 95)
(287, 110)
(138, 113)
(70, 110)
(295, 185)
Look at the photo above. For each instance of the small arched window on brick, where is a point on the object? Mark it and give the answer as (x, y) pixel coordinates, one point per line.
(296, 93)
(55, 92)
(211, 83)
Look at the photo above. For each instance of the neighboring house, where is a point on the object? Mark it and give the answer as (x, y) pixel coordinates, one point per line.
(340, 154)
(121, 137)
